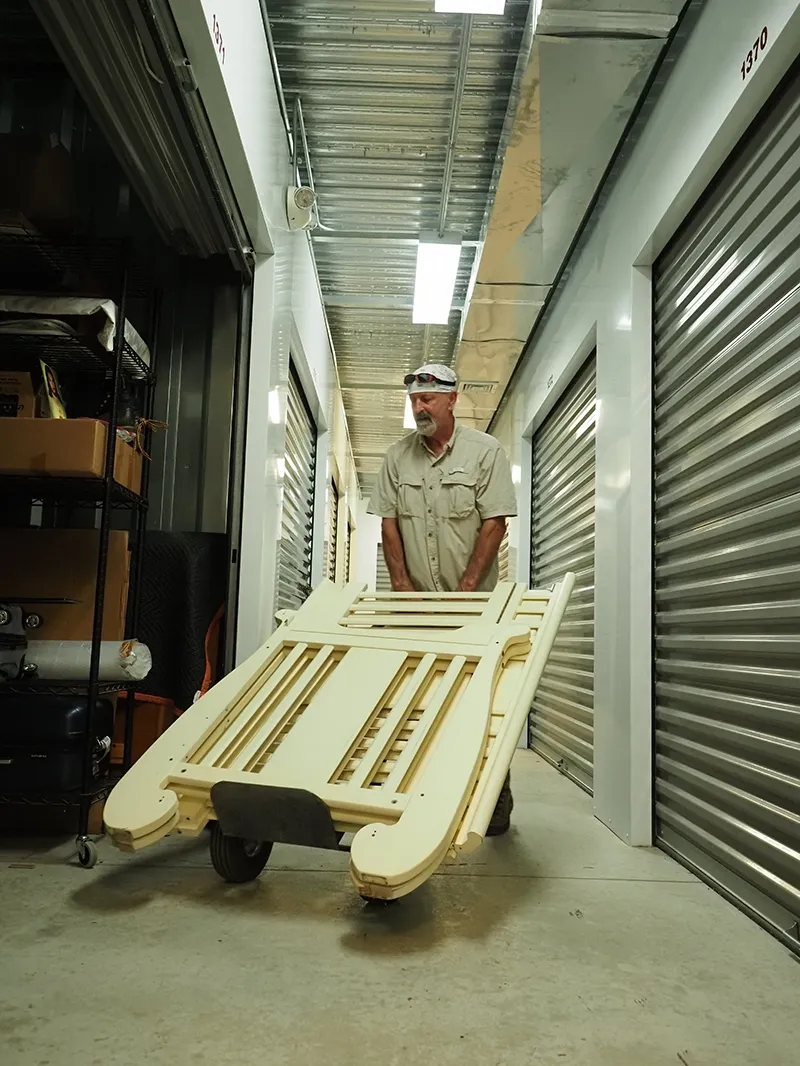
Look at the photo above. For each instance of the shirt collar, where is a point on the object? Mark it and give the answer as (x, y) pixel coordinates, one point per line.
(448, 447)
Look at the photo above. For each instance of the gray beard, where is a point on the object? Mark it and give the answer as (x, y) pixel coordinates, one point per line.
(426, 427)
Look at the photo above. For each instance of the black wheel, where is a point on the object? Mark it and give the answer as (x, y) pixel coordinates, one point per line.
(237, 860)
(375, 902)
(87, 853)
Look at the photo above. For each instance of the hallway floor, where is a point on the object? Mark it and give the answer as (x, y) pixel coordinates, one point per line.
(556, 944)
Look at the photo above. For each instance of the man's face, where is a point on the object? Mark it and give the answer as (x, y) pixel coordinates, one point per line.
(431, 410)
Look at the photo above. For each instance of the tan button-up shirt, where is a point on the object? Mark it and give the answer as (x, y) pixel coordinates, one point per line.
(440, 503)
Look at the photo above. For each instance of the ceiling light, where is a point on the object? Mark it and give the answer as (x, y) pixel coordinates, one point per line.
(470, 7)
(437, 268)
(274, 407)
(409, 422)
(516, 474)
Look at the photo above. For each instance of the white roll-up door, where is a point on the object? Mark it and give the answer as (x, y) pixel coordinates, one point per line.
(297, 531)
(562, 539)
(333, 522)
(128, 62)
(383, 582)
(727, 529)
(502, 558)
(347, 546)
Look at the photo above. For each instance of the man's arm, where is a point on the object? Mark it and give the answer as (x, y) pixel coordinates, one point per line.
(395, 556)
(487, 546)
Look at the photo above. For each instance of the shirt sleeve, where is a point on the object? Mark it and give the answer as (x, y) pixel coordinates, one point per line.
(496, 495)
(383, 501)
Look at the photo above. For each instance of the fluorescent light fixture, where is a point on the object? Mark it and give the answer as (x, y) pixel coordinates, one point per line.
(409, 422)
(434, 285)
(470, 7)
(274, 407)
(516, 474)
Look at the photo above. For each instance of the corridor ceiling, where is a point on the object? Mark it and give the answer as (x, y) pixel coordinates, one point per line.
(501, 127)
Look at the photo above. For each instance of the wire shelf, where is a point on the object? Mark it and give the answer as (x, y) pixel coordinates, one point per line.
(36, 686)
(100, 790)
(89, 266)
(70, 354)
(76, 491)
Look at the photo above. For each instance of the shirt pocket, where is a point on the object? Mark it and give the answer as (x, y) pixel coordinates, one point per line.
(410, 498)
(459, 495)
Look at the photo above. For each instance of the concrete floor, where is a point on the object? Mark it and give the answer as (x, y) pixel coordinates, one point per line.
(555, 945)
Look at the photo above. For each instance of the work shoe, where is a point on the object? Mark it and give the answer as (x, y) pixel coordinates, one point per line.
(501, 818)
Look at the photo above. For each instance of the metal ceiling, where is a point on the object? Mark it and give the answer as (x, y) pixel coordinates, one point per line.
(417, 121)
(383, 96)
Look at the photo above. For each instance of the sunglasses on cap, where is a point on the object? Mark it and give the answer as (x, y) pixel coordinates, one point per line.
(427, 379)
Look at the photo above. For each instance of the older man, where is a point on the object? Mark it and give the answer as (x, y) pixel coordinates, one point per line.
(444, 493)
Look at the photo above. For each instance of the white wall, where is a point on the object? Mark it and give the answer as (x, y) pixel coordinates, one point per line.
(240, 97)
(702, 113)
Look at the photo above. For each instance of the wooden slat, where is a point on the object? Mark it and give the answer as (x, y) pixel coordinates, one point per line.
(335, 717)
(386, 735)
(425, 724)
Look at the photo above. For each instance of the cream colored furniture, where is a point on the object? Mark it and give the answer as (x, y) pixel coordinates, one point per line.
(391, 716)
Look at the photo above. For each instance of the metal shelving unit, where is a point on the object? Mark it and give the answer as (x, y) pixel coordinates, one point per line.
(46, 262)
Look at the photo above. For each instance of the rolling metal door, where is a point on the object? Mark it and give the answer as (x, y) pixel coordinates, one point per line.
(294, 564)
(383, 583)
(562, 539)
(502, 558)
(347, 544)
(333, 522)
(727, 530)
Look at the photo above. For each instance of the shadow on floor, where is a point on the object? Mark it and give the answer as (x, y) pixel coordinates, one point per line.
(462, 904)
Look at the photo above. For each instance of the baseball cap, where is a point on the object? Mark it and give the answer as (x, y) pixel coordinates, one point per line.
(433, 377)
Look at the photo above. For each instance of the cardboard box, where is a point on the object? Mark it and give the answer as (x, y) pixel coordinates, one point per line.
(150, 720)
(17, 396)
(62, 563)
(71, 447)
(36, 179)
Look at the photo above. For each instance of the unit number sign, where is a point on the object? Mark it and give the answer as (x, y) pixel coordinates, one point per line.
(759, 45)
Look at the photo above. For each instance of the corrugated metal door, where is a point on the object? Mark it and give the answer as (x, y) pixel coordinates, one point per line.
(727, 530)
(333, 522)
(294, 564)
(347, 545)
(502, 558)
(383, 583)
(562, 539)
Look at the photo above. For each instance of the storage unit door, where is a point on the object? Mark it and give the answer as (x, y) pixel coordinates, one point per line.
(294, 563)
(562, 540)
(727, 529)
(502, 558)
(333, 521)
(383, 583)
(347, 544)
(128, 62)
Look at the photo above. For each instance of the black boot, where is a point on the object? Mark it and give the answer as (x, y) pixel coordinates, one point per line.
(501, 818)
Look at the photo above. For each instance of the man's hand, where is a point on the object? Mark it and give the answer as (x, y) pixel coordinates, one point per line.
(486, 548)
(395, 557)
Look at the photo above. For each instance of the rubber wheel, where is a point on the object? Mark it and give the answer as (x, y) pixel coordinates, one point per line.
(237, 860)
(87, 853)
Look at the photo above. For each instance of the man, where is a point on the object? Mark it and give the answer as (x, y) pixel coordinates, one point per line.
(444, 493)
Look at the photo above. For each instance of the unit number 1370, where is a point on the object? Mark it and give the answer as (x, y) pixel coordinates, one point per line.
(753, 54)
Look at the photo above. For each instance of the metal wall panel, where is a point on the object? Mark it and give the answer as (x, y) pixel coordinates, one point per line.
(294, 557)
(727, 529)
(562, 539)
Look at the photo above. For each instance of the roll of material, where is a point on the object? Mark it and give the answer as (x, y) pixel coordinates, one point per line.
(69, 660)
